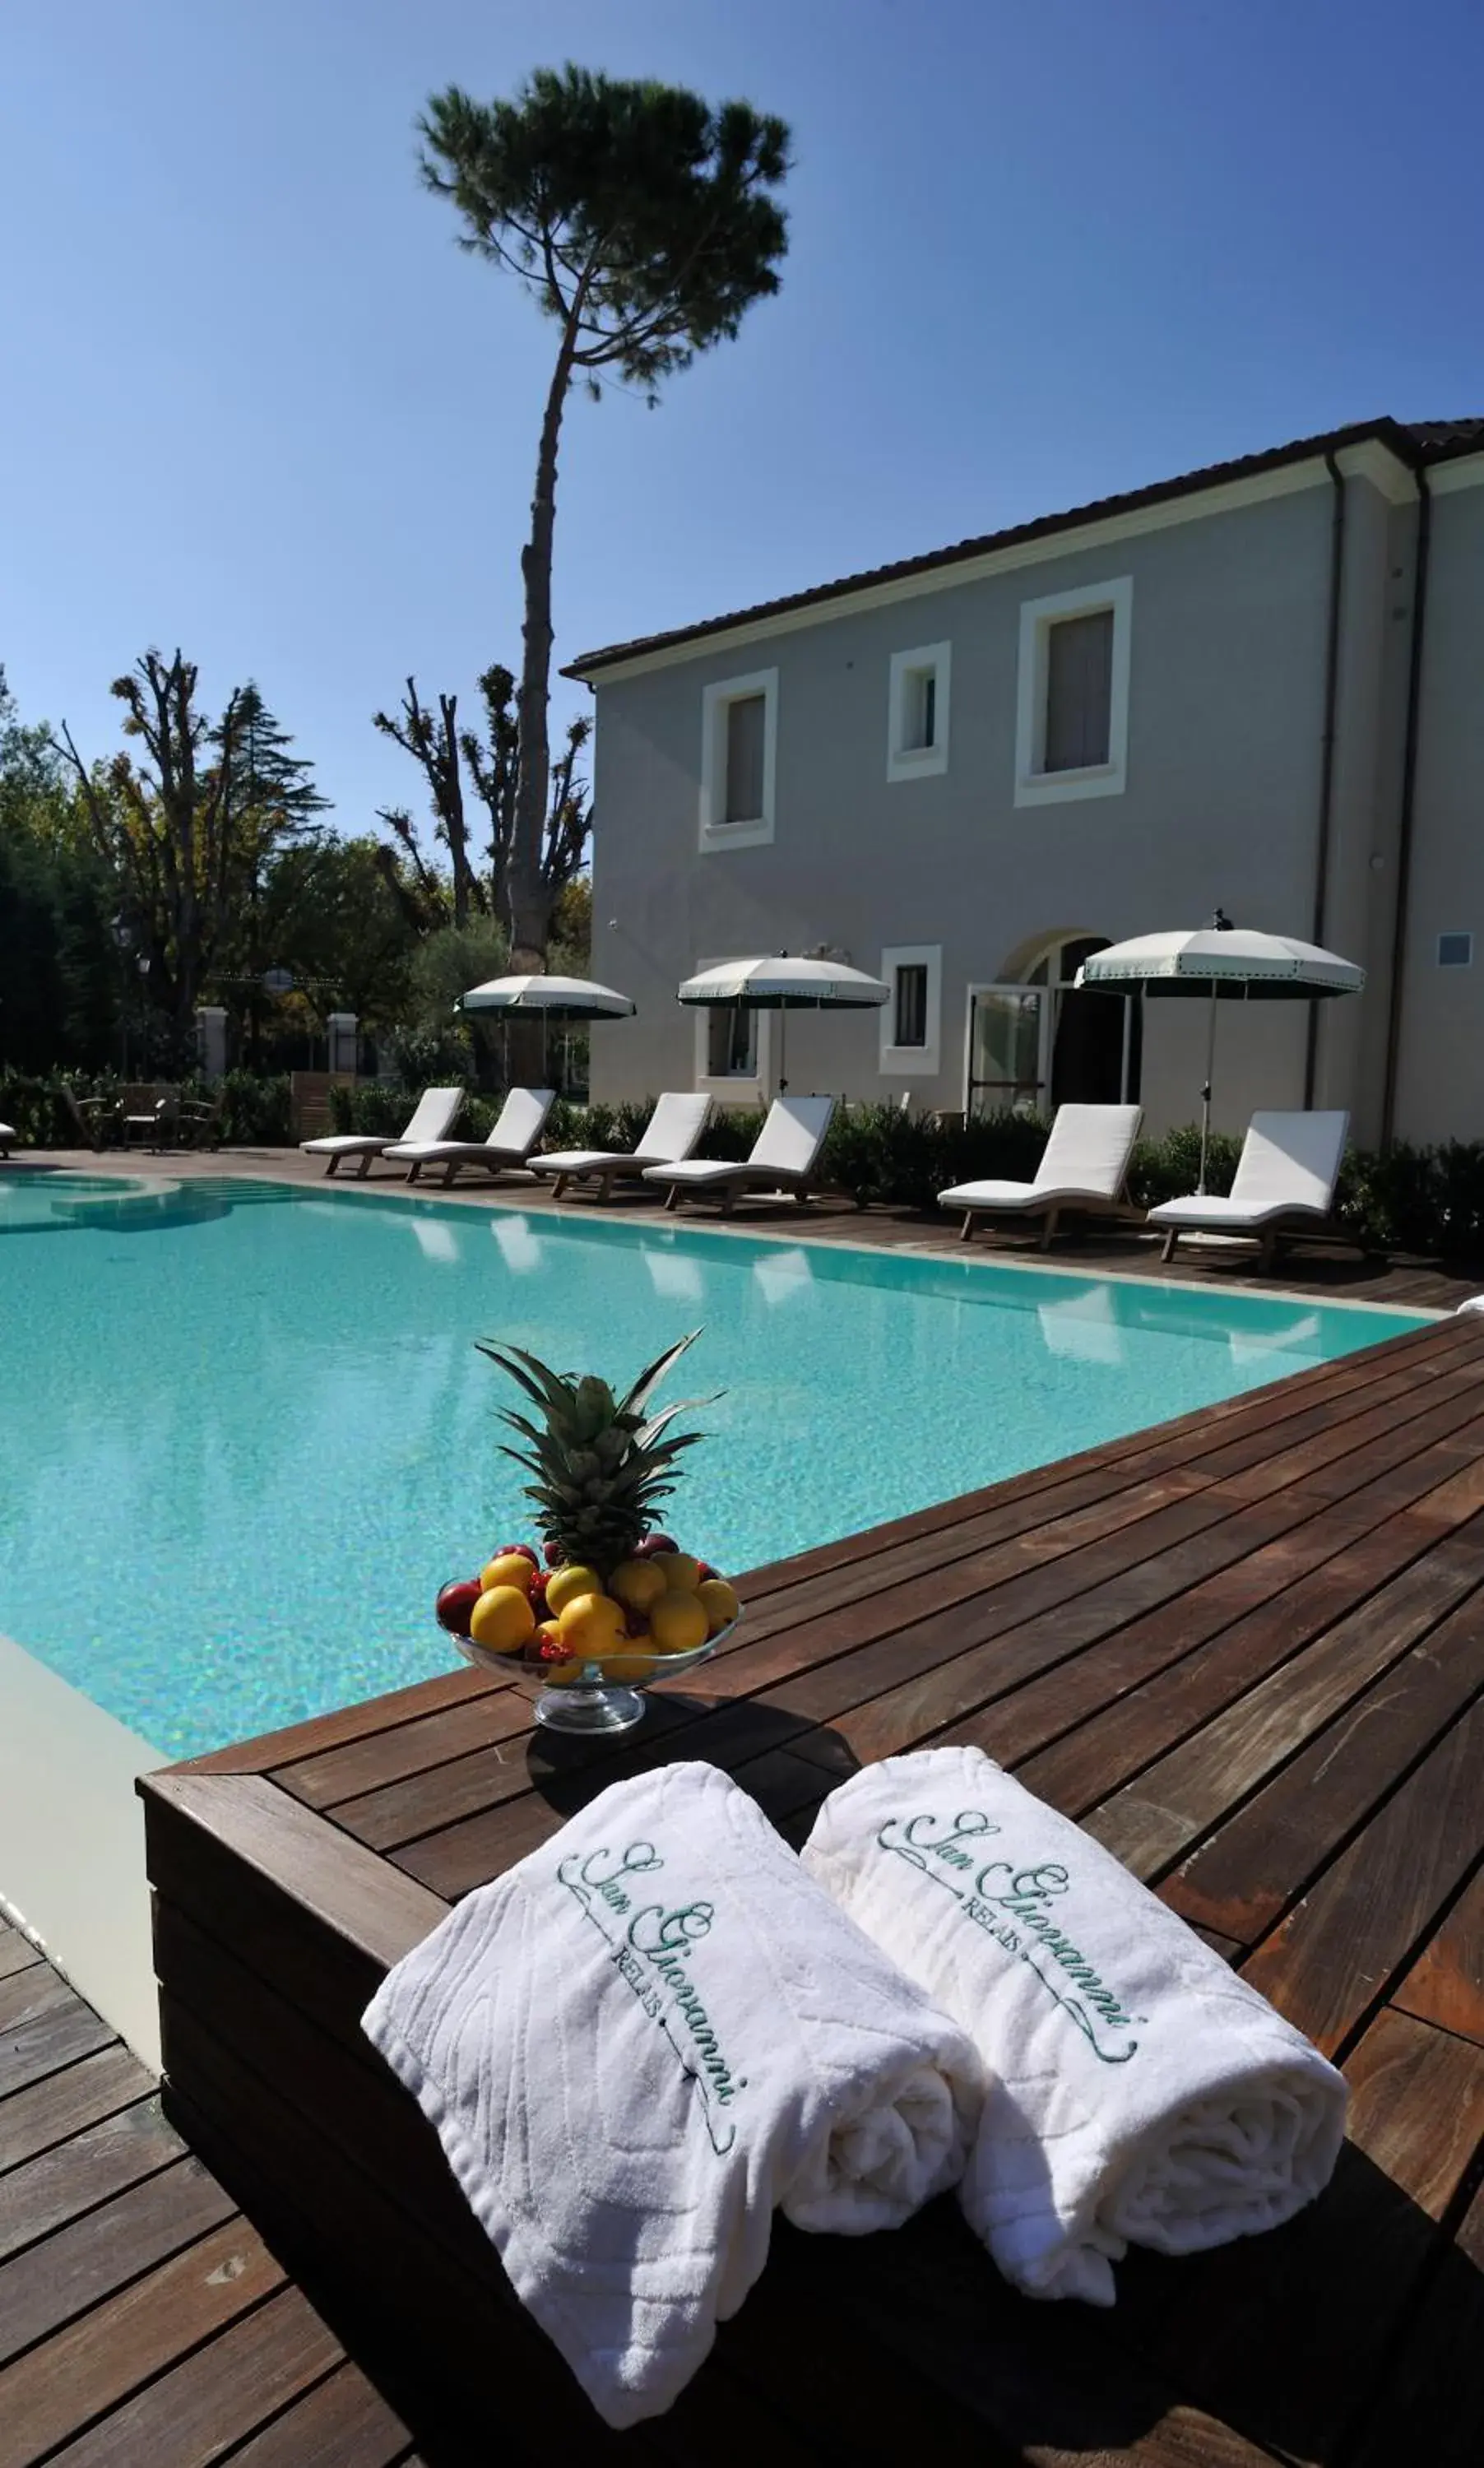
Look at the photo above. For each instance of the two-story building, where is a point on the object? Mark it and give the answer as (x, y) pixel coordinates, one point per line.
(1259, 686)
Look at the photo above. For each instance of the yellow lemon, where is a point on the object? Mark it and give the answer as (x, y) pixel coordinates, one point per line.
(678, 1622)
(502, 1619)
(719, 1602)
(508, 1568)
(628, 1666)
(682, 1573)
(638, 1583)
(592, 1625)
(564, 1585)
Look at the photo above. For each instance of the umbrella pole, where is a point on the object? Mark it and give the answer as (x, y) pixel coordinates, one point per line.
(783, 1083)
(1205, 1095)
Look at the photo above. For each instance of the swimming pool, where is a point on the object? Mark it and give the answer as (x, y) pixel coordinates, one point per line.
(244, 1433)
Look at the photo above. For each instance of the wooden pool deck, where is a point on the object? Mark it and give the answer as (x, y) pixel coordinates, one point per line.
(1245, 1650)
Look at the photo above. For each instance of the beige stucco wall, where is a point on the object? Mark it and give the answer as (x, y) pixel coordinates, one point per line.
(1229, 618)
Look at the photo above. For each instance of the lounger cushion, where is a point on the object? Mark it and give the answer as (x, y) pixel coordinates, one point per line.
(449, 1152)
(586, 1161)
(346, 1144)
(1016, 1195)
(712, 1170)
(1232, 1215)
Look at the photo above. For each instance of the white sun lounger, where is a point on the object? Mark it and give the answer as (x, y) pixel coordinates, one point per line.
(521, 1120)
(432, 1117)
(1083, 1167)
(784, 1158)
(1284, 1186)
(8, 1139)
(670, 1133)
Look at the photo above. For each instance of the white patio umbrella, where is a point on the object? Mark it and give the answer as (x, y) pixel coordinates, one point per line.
(781, 984)
(1222, 963)
(557, 999)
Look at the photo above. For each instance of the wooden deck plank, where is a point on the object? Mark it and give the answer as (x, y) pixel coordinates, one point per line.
(1445, 1983)
(100, 2161)
(1438, 2355)
(94, 2364)
(1149, 1822)
(64, 2102)
(103, 2252)
(1260, 1859)
(62, 2029)
(342, 2423)
(1338, 1952)
(192, 2413)
(16, 1951)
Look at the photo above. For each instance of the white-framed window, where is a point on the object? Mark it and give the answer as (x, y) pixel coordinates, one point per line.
(733, 1048)
(1455, 950)
(911, 1020)
(1072, 704)
(739, 760)
(917, 742)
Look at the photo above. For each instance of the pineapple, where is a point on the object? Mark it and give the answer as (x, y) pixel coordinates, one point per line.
(600, 1464)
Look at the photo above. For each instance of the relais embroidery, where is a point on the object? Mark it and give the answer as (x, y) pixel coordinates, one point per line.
(650, 1945)
(1009, 1904)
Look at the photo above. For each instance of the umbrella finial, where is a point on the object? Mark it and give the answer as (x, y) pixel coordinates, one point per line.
(1221, 923)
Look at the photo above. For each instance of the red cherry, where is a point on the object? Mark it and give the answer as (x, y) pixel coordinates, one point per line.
(554, 1554)
(456, 1604)
(537, 1593)
(523, 1549)
(703, 1570)
(552, 1650)
(651, 1544)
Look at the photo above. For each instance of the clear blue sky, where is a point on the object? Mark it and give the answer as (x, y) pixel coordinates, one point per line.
(256, 403)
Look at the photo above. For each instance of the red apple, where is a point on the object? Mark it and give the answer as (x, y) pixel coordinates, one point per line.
(704, 1569)
(455, 1605)
(651, 1544)
(525, 1550)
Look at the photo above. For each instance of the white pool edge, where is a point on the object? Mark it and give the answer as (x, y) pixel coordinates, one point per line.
(72, 1842)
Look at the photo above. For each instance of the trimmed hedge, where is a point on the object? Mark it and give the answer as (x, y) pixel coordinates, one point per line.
(1428, 1202)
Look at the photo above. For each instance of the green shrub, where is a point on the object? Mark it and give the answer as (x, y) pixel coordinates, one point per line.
(255, 1113)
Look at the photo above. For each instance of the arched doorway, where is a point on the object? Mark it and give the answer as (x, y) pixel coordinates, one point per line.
(1036, 1039)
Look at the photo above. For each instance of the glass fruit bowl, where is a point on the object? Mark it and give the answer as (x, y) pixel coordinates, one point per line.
(590, 1697)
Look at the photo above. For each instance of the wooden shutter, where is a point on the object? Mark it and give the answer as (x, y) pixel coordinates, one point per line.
(911, 1022)
(1079, 691)
(744, 732)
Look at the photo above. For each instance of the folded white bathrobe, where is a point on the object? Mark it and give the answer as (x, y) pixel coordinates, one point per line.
(1137, 2091)
(643, 2039)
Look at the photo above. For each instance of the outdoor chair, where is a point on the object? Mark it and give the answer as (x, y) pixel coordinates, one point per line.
(92, 1117)
(521, 1120)
(8, 1139)
(1083, 1166)
(435, 1110)
(670, 1134)
(198, 1121)
(1284, 1186)
(784, 1159)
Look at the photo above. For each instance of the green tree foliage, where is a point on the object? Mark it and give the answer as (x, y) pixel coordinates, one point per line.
(645, 222)
(57, 962)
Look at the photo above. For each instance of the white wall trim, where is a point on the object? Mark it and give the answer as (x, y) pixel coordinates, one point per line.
(1079, 539)
(1034, 786)
(900, 1060)
(1372, 461)
(714, 833)
(918, 762)
(1450, 477)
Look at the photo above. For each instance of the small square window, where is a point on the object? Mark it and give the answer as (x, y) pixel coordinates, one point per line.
(911, 992)
(917, 738)
(1455, 950)
(911, 1019)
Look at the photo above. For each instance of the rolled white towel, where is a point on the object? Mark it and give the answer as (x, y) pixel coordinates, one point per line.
(1137, 2091)
(643, 2039)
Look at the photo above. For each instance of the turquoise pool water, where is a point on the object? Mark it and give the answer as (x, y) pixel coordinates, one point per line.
(244, 1433)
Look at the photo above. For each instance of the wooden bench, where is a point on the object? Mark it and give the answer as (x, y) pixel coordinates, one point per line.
(1246, 1651)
